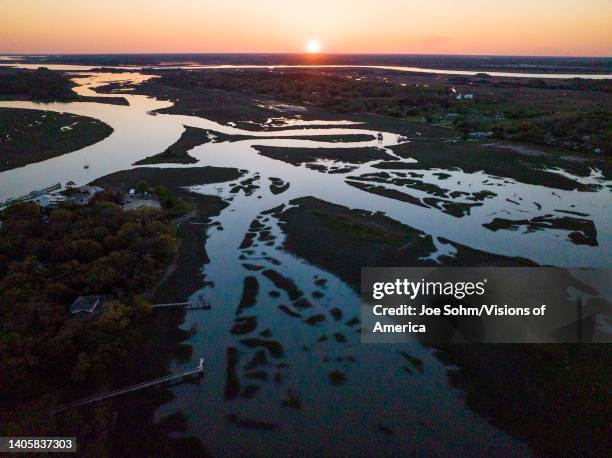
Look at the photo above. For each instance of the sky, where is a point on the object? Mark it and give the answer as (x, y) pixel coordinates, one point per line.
(503, 27)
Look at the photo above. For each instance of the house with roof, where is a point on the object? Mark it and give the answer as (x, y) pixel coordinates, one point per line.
(88, 304)
(85, 193)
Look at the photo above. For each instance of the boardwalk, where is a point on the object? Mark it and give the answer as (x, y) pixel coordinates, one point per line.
(199, 370)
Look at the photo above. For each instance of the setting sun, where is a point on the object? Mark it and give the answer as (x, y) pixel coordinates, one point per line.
(200, 201)
(313, 46)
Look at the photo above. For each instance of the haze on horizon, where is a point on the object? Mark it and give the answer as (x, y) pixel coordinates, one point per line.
(504, 27)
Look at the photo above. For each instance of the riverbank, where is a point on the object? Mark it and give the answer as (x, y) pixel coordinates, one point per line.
(166, 340)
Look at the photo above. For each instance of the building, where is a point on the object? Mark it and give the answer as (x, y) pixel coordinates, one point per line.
(91, 190)
(479, 135)
(85, 194)
(87, 304)
(49, 200)
(78, 196)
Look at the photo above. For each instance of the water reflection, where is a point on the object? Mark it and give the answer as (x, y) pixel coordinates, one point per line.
(380, 397)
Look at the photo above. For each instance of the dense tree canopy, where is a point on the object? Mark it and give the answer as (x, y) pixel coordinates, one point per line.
(46, 261)
(42, 84)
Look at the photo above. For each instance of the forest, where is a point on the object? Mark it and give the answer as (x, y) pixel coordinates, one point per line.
(47, 259)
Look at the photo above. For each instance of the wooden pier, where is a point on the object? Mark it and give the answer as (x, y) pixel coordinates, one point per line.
(199, 370)
(183, 305)
(30, 196)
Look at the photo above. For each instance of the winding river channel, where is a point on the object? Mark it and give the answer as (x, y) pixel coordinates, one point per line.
(370, 411)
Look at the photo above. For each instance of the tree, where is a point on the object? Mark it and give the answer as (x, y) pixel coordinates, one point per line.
(142, 187)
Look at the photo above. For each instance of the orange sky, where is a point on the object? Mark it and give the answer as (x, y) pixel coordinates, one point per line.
(518, 27)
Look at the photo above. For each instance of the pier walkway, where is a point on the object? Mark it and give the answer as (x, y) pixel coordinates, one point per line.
(198, 370)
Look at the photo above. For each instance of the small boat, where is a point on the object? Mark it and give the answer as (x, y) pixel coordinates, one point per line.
(86, 166)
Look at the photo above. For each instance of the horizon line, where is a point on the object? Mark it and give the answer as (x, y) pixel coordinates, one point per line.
(135, 53)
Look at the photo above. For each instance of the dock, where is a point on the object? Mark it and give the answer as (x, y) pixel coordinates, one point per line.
(198, 370)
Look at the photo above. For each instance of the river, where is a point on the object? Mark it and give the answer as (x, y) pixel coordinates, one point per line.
(425, 413)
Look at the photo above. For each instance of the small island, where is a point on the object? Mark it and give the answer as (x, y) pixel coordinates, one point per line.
(28, 136)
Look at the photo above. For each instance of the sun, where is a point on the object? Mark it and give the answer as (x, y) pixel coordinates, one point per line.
(313, 46)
